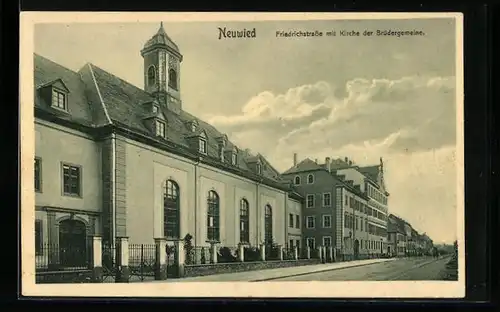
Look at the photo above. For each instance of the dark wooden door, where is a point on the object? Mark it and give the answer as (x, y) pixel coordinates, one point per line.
(73, 243)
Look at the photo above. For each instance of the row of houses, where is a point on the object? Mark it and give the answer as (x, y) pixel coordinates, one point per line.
(404, 240)
(119, 161)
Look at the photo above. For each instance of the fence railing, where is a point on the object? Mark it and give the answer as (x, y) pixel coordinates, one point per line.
(54, 257)
(228, 254)
(141, 261)
(288, 253)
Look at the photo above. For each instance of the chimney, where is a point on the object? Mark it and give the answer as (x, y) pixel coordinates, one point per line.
(327, 164)
(346, 160)
(350, 162)
(316, 160)
(294, 159)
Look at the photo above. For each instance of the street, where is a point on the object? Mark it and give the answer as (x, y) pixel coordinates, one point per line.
(400, 269)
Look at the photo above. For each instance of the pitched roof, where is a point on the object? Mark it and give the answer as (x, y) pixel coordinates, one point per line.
(47, 72)
(123, 103)
(305, 165)
(161, 39)
(371, 172)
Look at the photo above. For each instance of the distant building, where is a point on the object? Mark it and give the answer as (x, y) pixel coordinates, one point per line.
(396, 228)
(342, 208)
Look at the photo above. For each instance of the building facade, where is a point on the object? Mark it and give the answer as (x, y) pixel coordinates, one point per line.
(116, 160)
(336, 210)
(294, 209)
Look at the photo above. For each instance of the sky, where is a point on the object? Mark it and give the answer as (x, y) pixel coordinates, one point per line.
(357, 97)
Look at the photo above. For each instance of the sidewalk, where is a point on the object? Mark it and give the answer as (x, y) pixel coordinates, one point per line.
(269, 274)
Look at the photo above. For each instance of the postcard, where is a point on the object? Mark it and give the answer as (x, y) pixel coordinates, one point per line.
(284, 155)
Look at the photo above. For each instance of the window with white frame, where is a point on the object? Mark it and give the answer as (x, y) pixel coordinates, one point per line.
(327, 241)
(310, 222)
(327, 221)
(310, 200)
(160, 128)
(59, 99)
(233, 159)
(203, 146)
(310, 179)
(297, 180)
(327, 199)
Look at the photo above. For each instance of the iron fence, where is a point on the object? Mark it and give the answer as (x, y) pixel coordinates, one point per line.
(198, 255)
(55, 257)
(273, 252)
(142, 261)
(302, 253)
(314, 253)
(288, 253)
(109, 263)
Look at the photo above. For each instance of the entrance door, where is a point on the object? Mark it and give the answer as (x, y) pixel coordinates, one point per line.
(356, 249)
(72, 243)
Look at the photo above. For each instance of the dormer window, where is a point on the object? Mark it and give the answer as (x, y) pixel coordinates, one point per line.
(233, 159)
(58, 99)
(203, 146)
(259, 168)
(155, 109)
(160, 128)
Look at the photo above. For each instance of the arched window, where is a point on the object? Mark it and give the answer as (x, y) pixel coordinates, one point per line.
(172, 78)
(151, 76)
(213, 216)
(310, 179)
(268, 224)
(171, 215)
(297, 180)
(244, 221)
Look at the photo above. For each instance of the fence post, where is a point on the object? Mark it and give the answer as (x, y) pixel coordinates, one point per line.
(263, 252)
(123, 271)
(161, 258)
(296, 253)
(241, 252)
(308, 250)
(282, 250)
(320, 254)
(179, 257)
(330, 252)
(213, 253)
(96, 259)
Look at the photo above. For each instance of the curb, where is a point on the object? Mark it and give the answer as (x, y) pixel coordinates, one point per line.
(319, 271)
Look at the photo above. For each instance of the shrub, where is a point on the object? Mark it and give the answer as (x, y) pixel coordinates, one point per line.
(225, 255)
(188, 248)
(251, 254)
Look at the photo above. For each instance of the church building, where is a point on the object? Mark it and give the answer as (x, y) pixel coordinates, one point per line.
(120, 161)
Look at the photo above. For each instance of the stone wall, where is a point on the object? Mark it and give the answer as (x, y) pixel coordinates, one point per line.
(220, 268)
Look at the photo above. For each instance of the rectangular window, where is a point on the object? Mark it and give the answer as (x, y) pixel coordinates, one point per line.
(327, 221)
(346, 200)
(203, 146)
(310, 222)
(38, 237)
(357, 220)
(38, 175)
(297, 242)
(327, 241)
(160, 129)
(72, 180)
(297, 221)
(327, 199)
(58, 99)
(290, 221)
(361, 224)
(346, 220)
(310, 201)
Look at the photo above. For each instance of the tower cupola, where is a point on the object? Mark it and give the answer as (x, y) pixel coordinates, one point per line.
(162, 60)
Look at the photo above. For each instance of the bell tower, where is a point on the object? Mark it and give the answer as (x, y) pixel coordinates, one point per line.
(162, 60)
